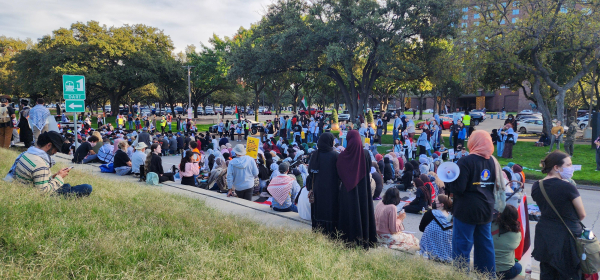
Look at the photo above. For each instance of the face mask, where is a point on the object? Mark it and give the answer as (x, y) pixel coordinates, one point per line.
(510, 118)
(567, 172)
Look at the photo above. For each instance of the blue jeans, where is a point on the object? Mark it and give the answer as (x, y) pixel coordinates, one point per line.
(130, 125)
(79, 190)
(310, 137)
(464, 237)
(451, 136)
(123, 170)
(468, 128)
(292, 208)
(500, 148)
(511, 273)
(90, 158)
(395, 133)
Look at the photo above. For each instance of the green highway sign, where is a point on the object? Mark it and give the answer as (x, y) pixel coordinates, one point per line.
(75, 106)
(73, 87)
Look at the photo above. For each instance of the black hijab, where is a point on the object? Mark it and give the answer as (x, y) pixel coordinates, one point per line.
(325, 145)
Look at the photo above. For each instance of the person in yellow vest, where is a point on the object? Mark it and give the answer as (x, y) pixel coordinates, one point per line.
(163, 124)
(466, 119)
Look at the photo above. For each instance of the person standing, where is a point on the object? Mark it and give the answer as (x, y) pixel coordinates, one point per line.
(38, 118)
(570, 136)
(597, 142)
(466, 120)
(554, 246)
(356, 220)
(474, 204)
(324, 182)
(397, 126)
(25, 132)
(556, 132)
(130, 121)
(509, 141)
(169, 121)
(386, 120)
(241, 173)
(379, 125)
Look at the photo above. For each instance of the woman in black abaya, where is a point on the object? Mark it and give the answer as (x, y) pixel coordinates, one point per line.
(324, 181)
(356, 221)
(25, 132)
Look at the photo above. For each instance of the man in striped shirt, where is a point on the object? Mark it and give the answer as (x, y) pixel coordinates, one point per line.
(33, 167)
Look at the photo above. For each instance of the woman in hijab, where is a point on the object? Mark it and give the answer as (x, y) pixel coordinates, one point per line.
(422, 201)
(323, 180)
(356, 216)
(510, 141)
(379, 161)
(416, 171)
(388, 172)
(407, 177)
(429, 185)
(378, 178)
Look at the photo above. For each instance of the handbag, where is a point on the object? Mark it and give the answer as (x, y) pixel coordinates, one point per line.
(588, 250)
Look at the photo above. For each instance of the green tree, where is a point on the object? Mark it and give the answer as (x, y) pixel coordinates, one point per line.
(9, 47)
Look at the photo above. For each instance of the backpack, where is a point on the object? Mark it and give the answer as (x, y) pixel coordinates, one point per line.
(4, 116)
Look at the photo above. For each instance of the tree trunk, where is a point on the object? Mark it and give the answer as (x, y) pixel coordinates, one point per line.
(543, 108)
(560, 105)
(421, 107)
(114, 104)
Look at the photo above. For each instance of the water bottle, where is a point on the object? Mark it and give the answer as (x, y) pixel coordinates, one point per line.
(423, 211)
(528, 272)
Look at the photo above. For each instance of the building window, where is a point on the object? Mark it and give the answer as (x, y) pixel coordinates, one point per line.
(514, 20)
(515, 11)
(465, 9)
(465, 17)
(476, 16)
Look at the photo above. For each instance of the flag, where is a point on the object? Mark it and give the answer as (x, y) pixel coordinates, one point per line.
(237, 115)
(525, 232)
(304, 103)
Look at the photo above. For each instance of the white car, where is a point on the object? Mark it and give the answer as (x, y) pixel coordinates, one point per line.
(344, 116)
(428, 111)
(526, 112)
(582, 124)
(531, 126)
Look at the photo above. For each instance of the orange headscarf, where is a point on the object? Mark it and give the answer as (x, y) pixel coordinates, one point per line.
(480, 143)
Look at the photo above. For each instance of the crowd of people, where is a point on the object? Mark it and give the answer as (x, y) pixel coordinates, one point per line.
(338, 182)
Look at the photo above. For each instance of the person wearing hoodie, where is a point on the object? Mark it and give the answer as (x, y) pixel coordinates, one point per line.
(241, 172)
(436, 242)
(407, 177)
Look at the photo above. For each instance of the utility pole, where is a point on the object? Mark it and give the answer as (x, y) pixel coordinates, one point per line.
(189, 90)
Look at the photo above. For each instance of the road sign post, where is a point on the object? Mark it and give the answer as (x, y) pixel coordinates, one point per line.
(74, 95)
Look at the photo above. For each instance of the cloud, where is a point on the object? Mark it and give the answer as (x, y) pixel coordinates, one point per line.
(187, 22)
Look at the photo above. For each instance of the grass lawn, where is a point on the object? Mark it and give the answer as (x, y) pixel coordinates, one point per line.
(132, 231)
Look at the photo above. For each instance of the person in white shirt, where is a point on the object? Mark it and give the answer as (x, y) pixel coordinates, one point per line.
(139, 157)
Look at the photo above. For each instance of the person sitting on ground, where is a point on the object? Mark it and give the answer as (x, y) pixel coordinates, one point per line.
(284, 188)
(436, 242)
(138, 158)
(105, 154)
(422, 199)
(377, 180)
(32, 167)
(122, 162)
(86, 149)
(241, 173)
(432, 190)
(154, 164)
(173, 145)
(188, 169)
(388, 170)
(506, 232)
(407, 177)
(389, 224)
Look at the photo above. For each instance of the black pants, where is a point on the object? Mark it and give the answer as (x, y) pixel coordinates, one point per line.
(188, 181)
(245, 194)
(166, 177)
(547, 271)
(597, 159)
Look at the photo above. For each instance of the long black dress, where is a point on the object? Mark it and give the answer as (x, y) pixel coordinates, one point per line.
(25, 132)
(356, 220)
(324, 181)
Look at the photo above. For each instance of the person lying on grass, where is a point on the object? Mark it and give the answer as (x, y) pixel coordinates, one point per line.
(33, 168)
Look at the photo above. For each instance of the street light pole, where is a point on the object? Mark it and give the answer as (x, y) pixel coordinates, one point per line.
(189, 89)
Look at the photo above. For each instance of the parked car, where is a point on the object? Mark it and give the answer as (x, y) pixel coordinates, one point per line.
(179, 110)
(477, 116)
(209, 111)
(428, 111)
(267, 112)
(519, 116)
(200, 111)
(446, 123)
(583, 122)
(391, 113)
(253, 127)
(229, 111)
(218, 111)
(146, 112)
(531, 126)
(344, 116)
(313, 111)
(526, 112)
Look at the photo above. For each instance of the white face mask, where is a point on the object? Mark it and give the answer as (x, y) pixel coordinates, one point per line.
(567, 172)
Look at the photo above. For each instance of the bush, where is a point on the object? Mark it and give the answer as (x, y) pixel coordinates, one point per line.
(369, 118)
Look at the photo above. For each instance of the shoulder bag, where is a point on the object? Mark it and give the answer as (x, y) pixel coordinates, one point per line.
(588, 250)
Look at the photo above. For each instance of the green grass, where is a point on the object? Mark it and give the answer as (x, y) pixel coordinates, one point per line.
(127, 230)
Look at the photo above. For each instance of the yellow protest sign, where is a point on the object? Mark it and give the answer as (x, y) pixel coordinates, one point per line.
(367, 140)
(302, 135)
(252, 147)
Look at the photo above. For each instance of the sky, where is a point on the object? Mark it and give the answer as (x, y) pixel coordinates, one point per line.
(186, 22)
